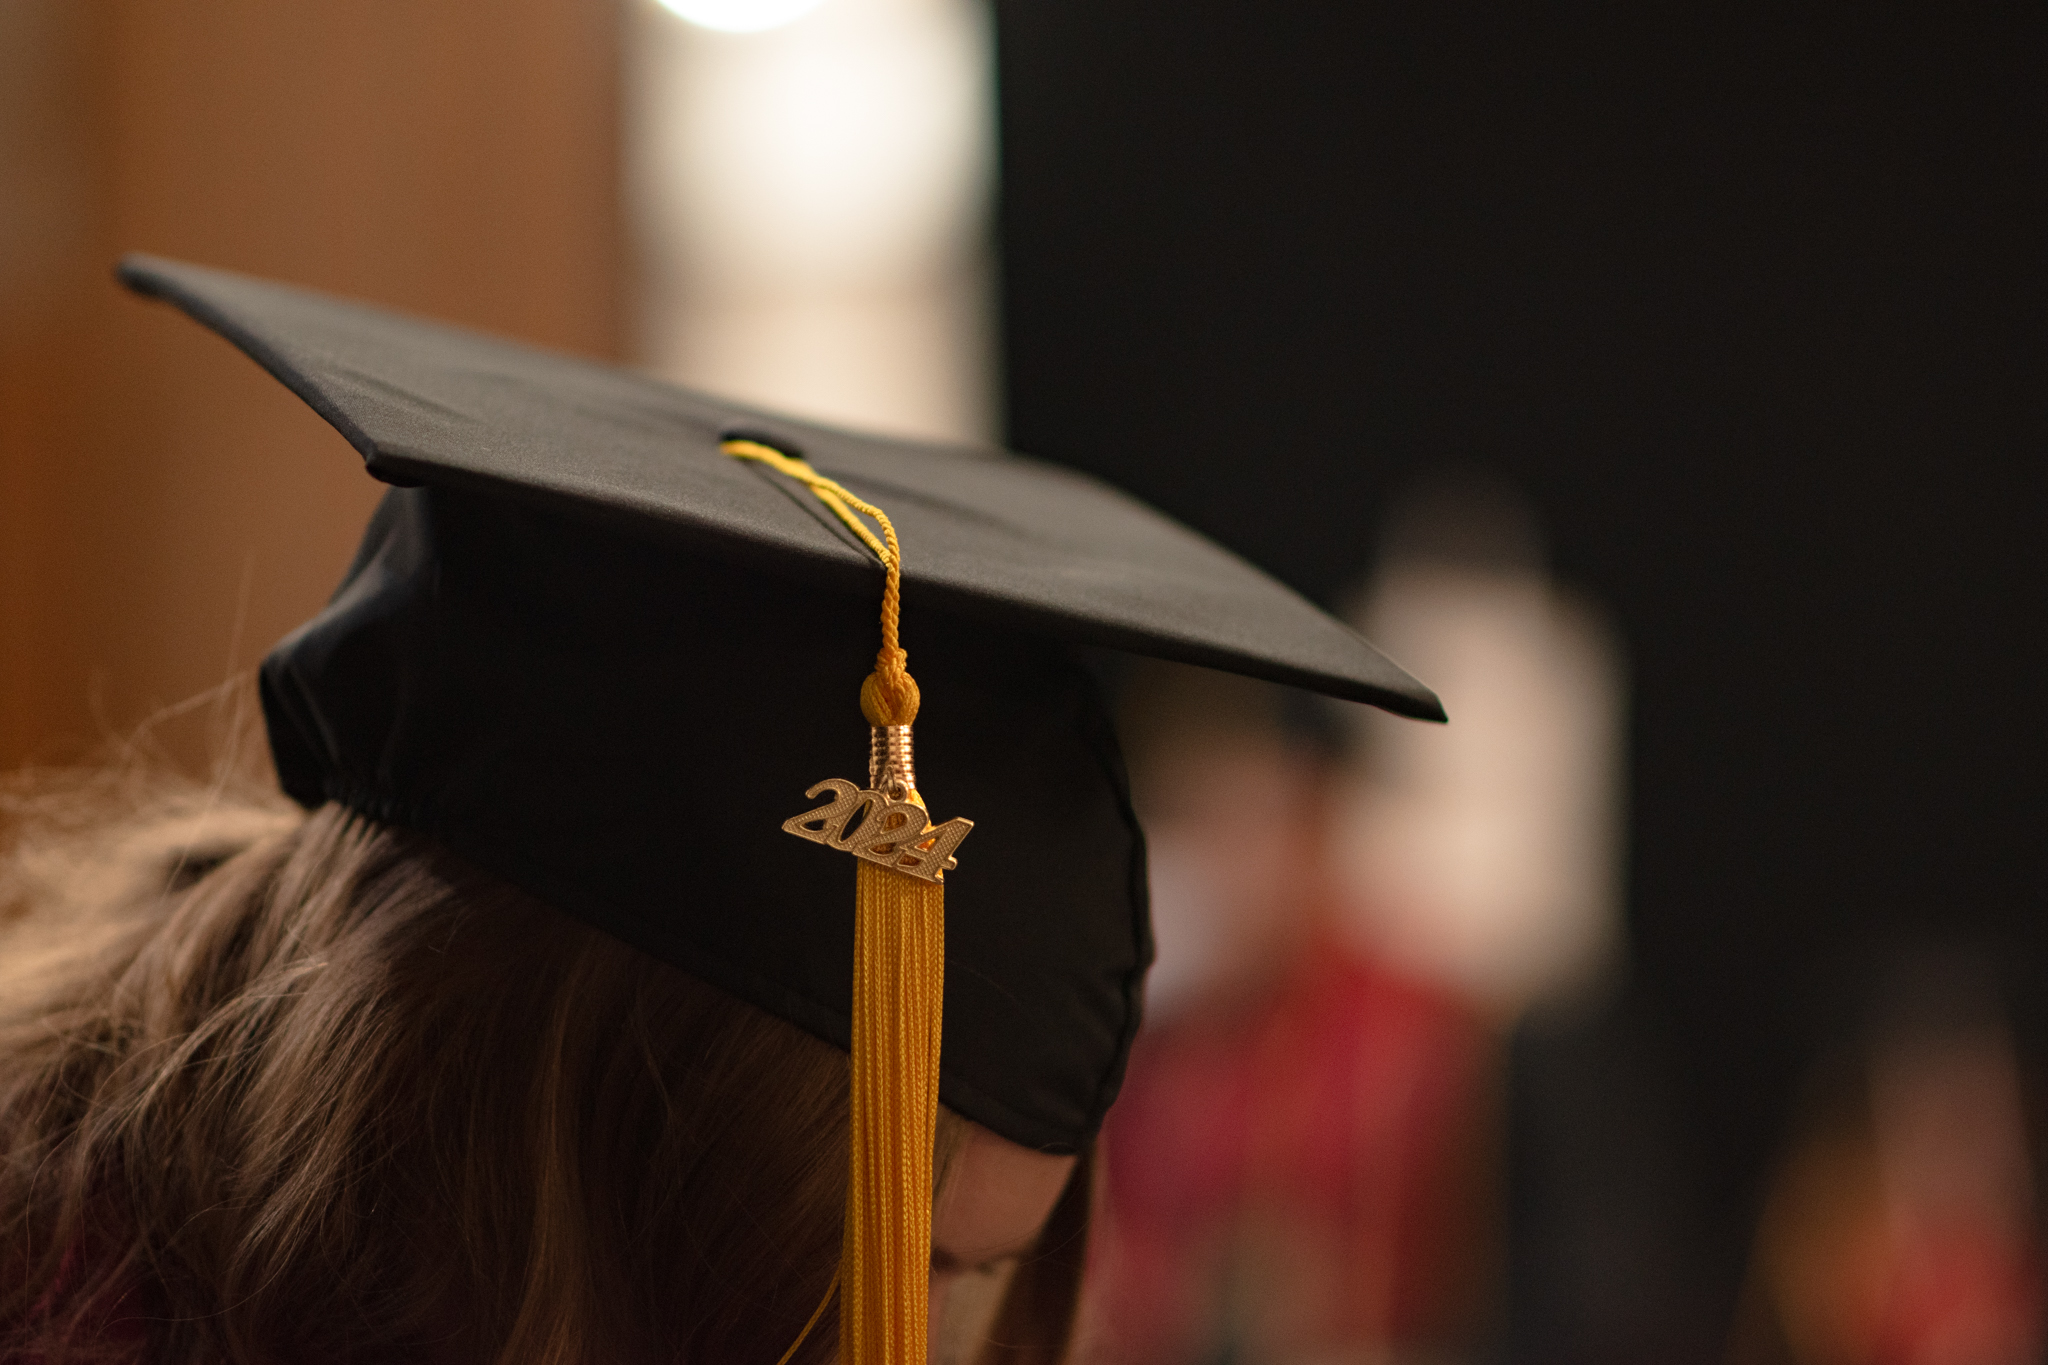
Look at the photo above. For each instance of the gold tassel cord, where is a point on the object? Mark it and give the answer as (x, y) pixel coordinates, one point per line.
(898, 988)
(889, 696)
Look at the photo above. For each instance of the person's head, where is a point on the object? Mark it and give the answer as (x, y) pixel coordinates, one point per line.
(532, 1040)
(311, 1088)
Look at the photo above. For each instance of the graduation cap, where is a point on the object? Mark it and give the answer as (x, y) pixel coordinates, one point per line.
(605, 639)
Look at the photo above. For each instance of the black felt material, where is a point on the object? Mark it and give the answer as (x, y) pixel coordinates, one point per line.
(1004, 538)
(620, 730)
(602, 659)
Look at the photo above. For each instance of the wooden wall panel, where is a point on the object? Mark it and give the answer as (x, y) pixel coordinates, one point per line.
(166, 510)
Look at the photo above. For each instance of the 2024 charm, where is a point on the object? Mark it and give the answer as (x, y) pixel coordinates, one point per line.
(884, 834)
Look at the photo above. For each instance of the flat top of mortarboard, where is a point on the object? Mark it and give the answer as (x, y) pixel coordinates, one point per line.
(989, 535)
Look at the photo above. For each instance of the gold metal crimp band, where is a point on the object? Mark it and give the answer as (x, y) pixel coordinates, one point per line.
(890, 769)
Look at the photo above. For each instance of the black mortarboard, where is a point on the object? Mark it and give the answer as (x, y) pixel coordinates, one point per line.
(596, 655)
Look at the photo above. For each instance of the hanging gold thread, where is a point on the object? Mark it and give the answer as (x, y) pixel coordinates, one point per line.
(899, 976)
(816, 1313)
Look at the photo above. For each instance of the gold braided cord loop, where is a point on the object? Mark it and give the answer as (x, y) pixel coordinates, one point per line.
(889, 696)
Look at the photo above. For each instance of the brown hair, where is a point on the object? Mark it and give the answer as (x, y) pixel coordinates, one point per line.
(313, 1088)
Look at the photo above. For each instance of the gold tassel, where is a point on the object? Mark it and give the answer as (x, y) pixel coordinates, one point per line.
(899, 979)
(899, 976)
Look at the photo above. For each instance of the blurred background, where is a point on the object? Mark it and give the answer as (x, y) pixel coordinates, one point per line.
(1665, 386)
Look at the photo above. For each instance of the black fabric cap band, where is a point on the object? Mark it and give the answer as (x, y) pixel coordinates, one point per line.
(621, 734)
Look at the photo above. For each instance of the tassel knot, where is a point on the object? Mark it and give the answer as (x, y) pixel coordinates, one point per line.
(889, 696)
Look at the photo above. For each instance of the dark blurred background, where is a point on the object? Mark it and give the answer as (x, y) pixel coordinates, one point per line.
(1744, 305)
(1746, 300)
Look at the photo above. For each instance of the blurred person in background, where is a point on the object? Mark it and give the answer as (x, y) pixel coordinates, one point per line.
(1297, 1169)
(1490, 864)
(1488, 861)
(1902, 1227)
(1356, 930)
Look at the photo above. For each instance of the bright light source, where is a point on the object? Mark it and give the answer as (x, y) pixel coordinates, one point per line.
(811, 209)
(741, 16)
